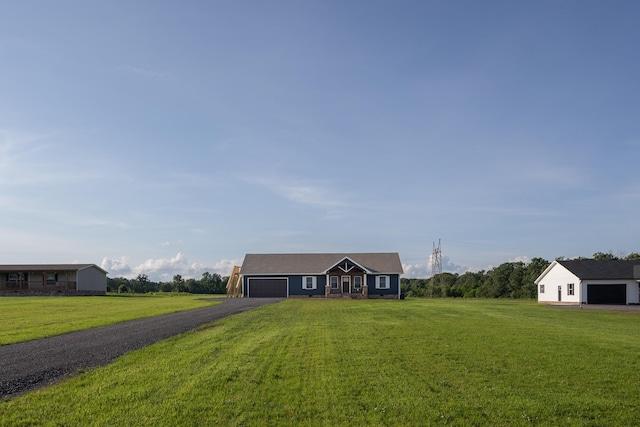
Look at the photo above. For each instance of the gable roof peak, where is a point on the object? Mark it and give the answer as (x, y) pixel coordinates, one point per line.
(319, 263)
(346, 260)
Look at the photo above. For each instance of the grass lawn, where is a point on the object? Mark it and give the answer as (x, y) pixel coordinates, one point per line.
(342, 362)
(28, 318)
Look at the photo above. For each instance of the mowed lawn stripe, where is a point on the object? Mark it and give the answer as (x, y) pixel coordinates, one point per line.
(29, 318)
(342, 362)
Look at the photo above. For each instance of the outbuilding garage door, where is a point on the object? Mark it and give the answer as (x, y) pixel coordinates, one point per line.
(264, 288)
(606, 294)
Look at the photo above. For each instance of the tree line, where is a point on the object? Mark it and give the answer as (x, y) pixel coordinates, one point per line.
(508, 280)
(207, 284)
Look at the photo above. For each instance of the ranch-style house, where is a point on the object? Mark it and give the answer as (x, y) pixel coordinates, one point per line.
(590, 282)
(53, 279)
(347, 275)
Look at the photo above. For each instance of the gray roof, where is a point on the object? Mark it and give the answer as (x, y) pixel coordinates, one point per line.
(589, 269)
(388, 263)
(45, 267)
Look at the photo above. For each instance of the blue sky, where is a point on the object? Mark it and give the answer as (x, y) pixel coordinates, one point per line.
(168, 138)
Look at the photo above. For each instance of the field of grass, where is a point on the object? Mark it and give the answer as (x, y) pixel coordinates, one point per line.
(28, 318)
(339, 362)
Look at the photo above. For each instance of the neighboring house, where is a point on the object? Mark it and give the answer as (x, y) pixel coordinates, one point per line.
(355, 275)
(54, 279)
(590, 282)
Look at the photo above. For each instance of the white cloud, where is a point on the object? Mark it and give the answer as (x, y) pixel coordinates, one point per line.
(522, 258)
(117, 267)
(163, 269)
(225, 267)
(307, 193)
(131, 69)
(100, 222)
(416, 271)
(421, 271)
(17, 153)
(27, 158)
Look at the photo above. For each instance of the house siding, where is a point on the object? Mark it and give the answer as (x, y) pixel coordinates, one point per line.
(295, 285)
(394, 285)
(559, 276)
(91, 279)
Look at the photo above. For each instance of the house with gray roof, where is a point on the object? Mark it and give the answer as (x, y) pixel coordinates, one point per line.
(590, 282)
(52, 279)
(349, 275)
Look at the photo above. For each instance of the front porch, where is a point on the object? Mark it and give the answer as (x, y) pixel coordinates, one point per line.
(39, 281)
(350, 294)
(346, 280)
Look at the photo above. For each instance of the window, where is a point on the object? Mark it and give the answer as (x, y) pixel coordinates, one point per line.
(51, 278)
(357, 282)
(308, 282)
(13, 278)
(542, 289)
(570, 290)
(334, 282)
(382, 282)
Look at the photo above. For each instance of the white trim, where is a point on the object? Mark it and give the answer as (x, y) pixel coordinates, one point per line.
(342, 282)
(544, 273)
(387, 282)
(314, 283)
(366, 270)
(337, 282)
(358, 288)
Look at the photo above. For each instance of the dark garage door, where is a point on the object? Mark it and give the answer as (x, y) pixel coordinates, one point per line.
(606, 294)
(264, 288)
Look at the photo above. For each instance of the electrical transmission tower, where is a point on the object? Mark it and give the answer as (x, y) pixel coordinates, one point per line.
(436, 267)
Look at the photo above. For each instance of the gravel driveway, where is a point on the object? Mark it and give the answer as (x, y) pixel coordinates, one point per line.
(29, 365)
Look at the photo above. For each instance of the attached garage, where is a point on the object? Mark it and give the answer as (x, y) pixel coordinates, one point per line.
(267, 287)
(607, 294)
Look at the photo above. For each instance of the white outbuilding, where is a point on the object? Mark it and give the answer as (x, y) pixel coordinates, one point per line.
(590, 282)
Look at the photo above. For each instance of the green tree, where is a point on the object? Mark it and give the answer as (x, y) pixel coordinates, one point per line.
(516, 279)
(116, 282)
(194, 286)
(140, 283)
(496, 284)
(532, 271)
(178, 284)
(212, 283)
(468, 283)
(602, 256)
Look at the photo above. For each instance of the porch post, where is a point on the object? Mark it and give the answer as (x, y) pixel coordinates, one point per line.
(327, 288)
(365, 287)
